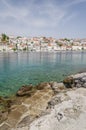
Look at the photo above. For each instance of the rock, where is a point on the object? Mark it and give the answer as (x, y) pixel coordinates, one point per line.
(68, 82)
(79, 81)
(84, 85)
(25, 121)
(57, 99)
(41, 86)
(5, 127)
(79, 75)
(9, 103)
(67, 115)
(83, 79)
(78, 85)
(59, 116)
(76, 82)
(5, 105)
(57, 87)
(53, 102)
(25, 91)
(3, 116)
(49, 102)
(1, 99)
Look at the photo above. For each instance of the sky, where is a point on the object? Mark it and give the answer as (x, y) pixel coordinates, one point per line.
(50, 18)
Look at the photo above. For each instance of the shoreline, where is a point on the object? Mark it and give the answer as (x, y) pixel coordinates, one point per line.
(43, 51)
(32, 103)
(56, 64)
(11, 94)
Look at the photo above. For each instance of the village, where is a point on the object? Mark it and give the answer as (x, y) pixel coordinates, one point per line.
(14, 44)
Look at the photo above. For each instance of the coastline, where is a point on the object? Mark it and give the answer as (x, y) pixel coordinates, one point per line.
(24, 68)
(43, 51)
(33, 103)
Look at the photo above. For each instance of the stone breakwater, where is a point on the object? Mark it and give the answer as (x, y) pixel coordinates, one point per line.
(49, 106)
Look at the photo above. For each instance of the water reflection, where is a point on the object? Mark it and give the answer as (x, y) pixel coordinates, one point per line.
(21, 68)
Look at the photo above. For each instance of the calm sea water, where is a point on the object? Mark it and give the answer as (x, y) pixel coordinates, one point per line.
(17, 69)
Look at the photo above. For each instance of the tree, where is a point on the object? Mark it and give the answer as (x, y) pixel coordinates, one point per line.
(60, 44)
(72, 44)
(4, 38)
(67, 39)
(19, 37)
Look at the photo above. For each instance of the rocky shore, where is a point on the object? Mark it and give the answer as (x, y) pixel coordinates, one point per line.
(47, 106)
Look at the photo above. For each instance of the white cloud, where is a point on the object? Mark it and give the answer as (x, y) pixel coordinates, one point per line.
(36, 16)
(46, 13)
(74, 2)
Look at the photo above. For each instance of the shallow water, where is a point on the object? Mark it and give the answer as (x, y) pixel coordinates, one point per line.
(17, 69)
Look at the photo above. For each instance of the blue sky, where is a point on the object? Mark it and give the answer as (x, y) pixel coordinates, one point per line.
(56, 18)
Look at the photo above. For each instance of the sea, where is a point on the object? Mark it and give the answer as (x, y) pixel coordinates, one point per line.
(24, 68)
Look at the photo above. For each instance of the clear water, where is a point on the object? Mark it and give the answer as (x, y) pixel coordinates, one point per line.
(17, 69)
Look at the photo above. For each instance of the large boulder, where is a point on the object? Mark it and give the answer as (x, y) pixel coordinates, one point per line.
(68, 82)
(42, 86)
(25, 91)
(80, 82)
(84, 85)
(57, 87)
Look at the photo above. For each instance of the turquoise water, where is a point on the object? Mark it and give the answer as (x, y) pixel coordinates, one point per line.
(17, 69)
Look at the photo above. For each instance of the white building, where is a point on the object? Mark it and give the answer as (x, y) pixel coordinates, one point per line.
(75, 47)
